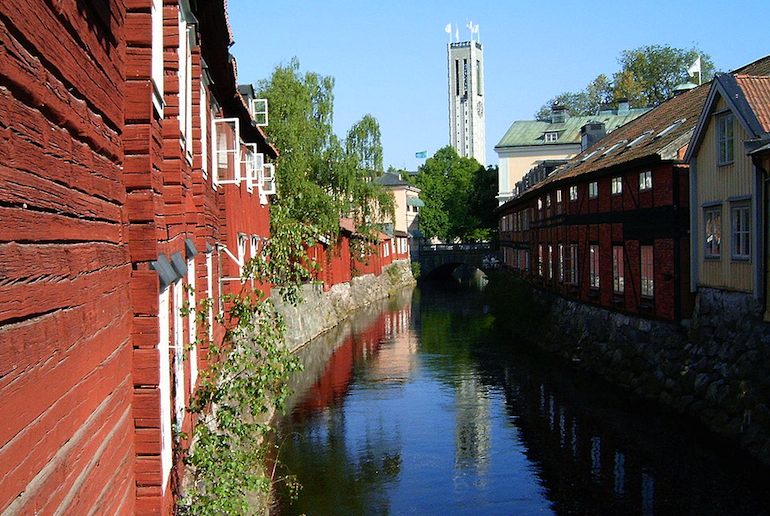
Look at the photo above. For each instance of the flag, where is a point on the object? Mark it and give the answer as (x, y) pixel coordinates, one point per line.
(695, 68)
(448, 29)
(457, 33)
(422, 154)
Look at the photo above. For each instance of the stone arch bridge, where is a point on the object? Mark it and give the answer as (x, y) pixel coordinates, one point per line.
(442, 259)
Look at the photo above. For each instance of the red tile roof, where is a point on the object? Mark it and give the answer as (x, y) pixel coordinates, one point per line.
(757, 92)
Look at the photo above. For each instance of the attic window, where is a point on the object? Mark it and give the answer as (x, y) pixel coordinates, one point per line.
(639, 138)
(670, 128)
(591, 154)
(619, 144)
(551, 136)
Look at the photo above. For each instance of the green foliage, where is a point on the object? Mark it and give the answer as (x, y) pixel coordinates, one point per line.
(415, 270)
(647, 77)
(458, 193)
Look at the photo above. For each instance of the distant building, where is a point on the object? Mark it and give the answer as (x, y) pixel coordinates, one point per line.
(465, 61)
(528, 143)
(729, 164)
(405, 226)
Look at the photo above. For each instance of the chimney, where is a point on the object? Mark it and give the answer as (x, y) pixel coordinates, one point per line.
(558, 114)
(623, 106)
(591, 133)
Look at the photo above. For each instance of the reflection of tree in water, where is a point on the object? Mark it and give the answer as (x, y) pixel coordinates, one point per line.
(354, 479)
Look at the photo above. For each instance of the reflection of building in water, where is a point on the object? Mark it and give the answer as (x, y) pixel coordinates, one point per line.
(397, 355)
(472, 425)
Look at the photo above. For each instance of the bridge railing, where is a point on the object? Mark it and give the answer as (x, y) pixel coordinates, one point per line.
(455, 247)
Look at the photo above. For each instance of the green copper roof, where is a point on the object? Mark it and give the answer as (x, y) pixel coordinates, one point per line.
(415, 201)
(532, 132)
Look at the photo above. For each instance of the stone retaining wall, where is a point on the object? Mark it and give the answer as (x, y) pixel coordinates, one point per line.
(716, 368)
(320, 311)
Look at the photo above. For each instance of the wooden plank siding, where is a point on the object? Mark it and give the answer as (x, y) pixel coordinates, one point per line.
(718, 184)
(66, 437)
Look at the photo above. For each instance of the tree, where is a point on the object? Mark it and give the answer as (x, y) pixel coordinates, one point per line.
(451, 190)
(649, 74)
(647, 77)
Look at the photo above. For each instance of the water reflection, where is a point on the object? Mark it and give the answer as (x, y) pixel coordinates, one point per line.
(417, 405)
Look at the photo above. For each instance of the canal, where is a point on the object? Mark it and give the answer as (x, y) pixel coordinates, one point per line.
(421, 405)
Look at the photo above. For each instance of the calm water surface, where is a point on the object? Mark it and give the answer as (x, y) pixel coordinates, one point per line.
(419, 406)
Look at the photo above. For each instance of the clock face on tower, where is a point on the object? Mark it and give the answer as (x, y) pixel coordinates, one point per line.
(480, 108)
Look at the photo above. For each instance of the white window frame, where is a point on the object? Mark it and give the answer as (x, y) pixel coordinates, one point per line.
(547, 200)
(192, 323)
(551, 136)
(558, 196)
(249, 164)
(573, 264)
(712, 243)
(235, 151)
(254, 246)
(540, 260)
(179, 385)
(164, 385)
(560, 249)
(618, 270)
(549, 262)
(593, 266)
(617, 185)
(210, 293)
(184, 79)
(203, 111)
(647, 270)
(266, 181)
(725, 134)
(242, 240)
(156, 15)
(645, 180)
(593, 189)
(259, 112)
(573, 193)
(740, 231)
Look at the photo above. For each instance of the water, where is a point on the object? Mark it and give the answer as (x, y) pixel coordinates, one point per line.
(419, 406)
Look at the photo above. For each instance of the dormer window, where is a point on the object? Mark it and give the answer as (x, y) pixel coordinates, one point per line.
(551, 136)
(725, 139)
(259, 112)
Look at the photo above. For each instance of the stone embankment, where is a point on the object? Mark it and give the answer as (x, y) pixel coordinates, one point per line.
(716, 368)
(321, 311)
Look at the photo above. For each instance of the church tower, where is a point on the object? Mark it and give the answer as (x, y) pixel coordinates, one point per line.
(466, 98)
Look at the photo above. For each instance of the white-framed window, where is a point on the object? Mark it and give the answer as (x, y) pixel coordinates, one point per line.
(558, 196)
(593, 263)
(593, 190)
(725, 140)
(203, 109)
(386, 249)
(266, 181)
(210, 294)
(645, 180)
(184, 74)
(259, 112)
(243, 240)
(551, 136)
(254, 247)
(549, 262)
(712, 221)
(227, 150)
(251, 165)
(179, 386)
(573, 193)
(192, 323)
(573, 264)
(618, 279)
(156, 15)
(617, 185)
(560, 250)
(548, 200)
(647, 271)
(539, 203)
(164, 385)
(740, 234)
(540, 259)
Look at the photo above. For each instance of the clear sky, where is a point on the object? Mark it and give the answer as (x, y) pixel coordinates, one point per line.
(389, 58)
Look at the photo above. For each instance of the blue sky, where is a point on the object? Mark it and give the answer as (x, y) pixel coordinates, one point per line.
(389, 58)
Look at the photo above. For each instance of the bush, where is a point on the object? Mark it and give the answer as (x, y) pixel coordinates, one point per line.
(416, 269)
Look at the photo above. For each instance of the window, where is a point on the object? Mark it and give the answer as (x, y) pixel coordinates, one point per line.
(647, 271)
(712, 218)
(227, 151)
(551, 136)
(540, 259)
(573, 264)
(645, 180)
(549, 263)
(558, 196)
(616, 146)
(193, 323)
(539, 203)
(573, 193)
(617, 185)
(259, 111)
(548, 201)
(254, 247)
(725, 148)
(179, 397)
(740, 236)
(561, 262)
(185, 86)
(164, 385)
(593, 190)
(386, 249)
(617, 269)
(203, 110)
(242, 240)
(671, 127)
(156, 10)
(479, 82)
(210, 293)
(593, 262)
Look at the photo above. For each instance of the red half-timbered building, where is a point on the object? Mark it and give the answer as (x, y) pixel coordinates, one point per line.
(610, 227)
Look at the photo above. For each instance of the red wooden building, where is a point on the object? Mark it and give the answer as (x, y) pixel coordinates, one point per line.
(610, 227)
